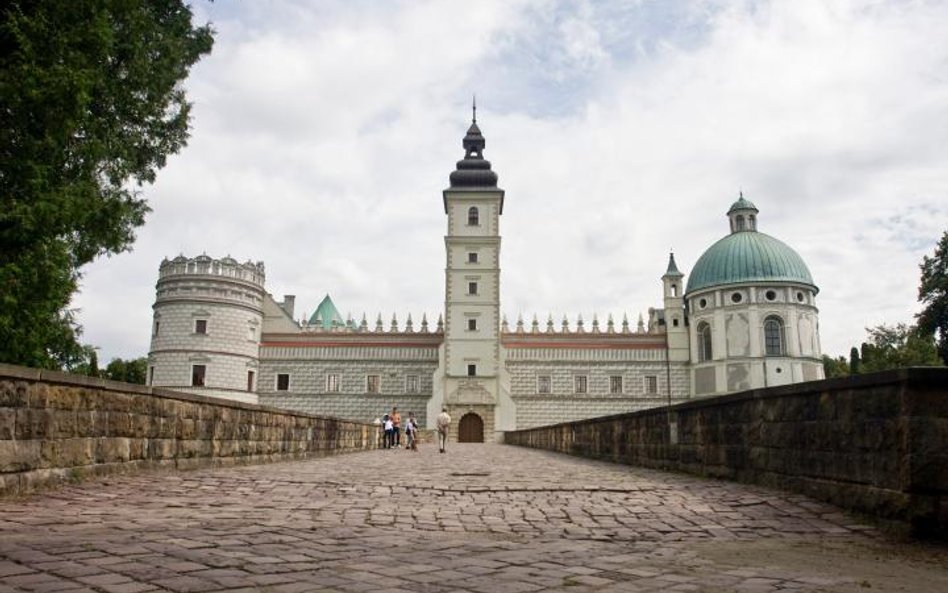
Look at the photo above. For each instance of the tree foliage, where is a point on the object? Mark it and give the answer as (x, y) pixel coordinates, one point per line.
(835, 367)
(933, 293)
(895, 347)
(91, 105)
(129, 371)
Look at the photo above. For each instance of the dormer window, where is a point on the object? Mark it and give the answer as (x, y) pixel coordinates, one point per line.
(473, 216)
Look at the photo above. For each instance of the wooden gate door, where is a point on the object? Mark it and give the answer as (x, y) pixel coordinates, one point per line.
(471, 429)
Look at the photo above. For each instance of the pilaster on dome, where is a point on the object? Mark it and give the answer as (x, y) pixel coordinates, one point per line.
(473, 171)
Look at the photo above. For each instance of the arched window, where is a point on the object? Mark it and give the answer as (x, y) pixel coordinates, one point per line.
(740, 222)
(704, 342)
(773, 336)
(473, 216)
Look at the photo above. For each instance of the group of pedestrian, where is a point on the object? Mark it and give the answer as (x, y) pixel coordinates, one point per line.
(391, 425)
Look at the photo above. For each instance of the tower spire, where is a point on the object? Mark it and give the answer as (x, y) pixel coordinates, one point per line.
(474, 109)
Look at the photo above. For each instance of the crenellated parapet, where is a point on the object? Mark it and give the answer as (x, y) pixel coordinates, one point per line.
(204, 265)
(580, 326)
(315, 324)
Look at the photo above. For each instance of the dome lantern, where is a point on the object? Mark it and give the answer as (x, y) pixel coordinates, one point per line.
(743, 215)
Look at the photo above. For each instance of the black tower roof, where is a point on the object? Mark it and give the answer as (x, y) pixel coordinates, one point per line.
(473, 171)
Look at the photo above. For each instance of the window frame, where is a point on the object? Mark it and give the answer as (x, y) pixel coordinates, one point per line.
(277, 382)
(544, 384)
(332, 382)
(472, 288)
(612, 384)
(472, 324)
(198, 379)
(651, 384)
(373, 383)
(412, 383)
(472, 370)
(774, 343)
(580, 384)
(472, 257)
(473, 216)
(705, 342)
(200, 326)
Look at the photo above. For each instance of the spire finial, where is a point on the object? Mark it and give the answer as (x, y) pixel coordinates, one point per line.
(474, 109)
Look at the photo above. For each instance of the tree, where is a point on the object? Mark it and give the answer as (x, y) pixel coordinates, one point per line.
(835, 367)
(91, 105)
(933, 292)
(898, 346)
(129, 371)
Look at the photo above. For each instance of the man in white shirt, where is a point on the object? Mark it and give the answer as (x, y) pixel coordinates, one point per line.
(443, 423)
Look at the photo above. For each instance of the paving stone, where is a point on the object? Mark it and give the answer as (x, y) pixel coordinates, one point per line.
(514, 521)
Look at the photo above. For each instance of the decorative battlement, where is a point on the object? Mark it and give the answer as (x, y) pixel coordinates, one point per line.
(316, 324)
(204, 265)
(580, 327)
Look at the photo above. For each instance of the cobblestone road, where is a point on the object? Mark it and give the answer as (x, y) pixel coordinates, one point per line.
(482, 518)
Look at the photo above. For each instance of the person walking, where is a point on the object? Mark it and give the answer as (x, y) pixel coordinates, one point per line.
(444, 424)
(388, 432)
(396, 426)
(410, 433)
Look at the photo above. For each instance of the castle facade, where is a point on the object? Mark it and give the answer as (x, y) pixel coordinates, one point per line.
(746, 318)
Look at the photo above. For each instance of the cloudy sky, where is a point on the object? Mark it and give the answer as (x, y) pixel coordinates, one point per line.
(324, 132)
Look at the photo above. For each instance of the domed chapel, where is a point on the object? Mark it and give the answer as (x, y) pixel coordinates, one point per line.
(746, 318)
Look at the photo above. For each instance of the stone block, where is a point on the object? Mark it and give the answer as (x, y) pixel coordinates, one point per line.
(18, 456)
(7, 423)
(91, 423)
(160, 449)
(193, 448)
(69, 452)
(33, 423)
(112, 449)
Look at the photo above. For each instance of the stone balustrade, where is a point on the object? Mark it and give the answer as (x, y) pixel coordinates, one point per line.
(876, 444)
(56, 427)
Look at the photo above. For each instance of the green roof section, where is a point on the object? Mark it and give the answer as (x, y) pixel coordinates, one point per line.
(742, 204)
(327, 315)
(672, 267)
(748, 257)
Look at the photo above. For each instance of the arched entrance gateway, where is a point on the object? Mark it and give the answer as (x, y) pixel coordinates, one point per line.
(471, 429)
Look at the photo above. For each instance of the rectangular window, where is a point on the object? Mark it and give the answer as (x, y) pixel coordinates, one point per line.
(249, 380)
(471, 257)
(157, 327)
(472, 324)
(581, 383)
(651, 384)
(200, 326)
(283, 382)
(472, 370)
(332, 383)
(472, 288)
(198, 374)
(151, 375)
(252, 333)
(372, 384)
(615, 384)
(411, 384)
(543, 384)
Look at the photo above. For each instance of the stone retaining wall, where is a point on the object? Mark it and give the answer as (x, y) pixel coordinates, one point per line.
(876, 444)
(55, 427)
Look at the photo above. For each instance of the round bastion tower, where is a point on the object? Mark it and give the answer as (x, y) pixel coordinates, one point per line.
(205, 335)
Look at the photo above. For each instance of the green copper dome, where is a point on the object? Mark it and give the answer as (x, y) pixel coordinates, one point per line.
(748, 256)
(326, 315)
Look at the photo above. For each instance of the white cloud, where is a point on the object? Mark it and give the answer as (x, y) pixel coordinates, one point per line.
(324, 134)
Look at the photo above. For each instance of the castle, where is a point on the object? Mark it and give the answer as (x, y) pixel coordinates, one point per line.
(746, 318)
